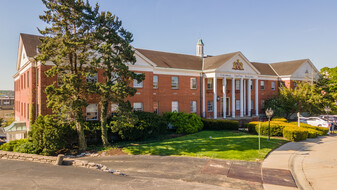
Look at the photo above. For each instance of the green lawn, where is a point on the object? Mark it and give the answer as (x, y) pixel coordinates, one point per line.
(224, 145)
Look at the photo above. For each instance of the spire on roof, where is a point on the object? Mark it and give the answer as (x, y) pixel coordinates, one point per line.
(200, 48)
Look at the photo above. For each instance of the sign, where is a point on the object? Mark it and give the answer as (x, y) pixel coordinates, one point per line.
(237, 65)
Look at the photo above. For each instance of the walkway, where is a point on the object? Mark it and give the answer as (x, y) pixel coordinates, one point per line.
(313, 164)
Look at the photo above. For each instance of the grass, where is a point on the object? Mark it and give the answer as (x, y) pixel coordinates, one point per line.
(224, 145)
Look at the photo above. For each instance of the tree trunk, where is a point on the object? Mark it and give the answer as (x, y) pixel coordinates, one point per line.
(104, 122)
(81, 138)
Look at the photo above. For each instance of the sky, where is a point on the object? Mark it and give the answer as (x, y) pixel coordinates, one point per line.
(263, 30)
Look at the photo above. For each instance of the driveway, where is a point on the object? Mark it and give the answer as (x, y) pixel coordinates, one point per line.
(31, 175)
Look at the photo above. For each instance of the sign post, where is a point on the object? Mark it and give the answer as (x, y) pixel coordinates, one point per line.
(259, 135)
(298, 119)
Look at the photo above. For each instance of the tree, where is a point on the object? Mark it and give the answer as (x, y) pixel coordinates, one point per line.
(113, 50)
(66, 43)
(328, 83)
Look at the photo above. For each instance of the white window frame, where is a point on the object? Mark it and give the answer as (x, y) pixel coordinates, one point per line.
(155, 110)
(175, 85)
(175, 106)
(114, 77)
(237, 104)
(193, 106)
(209, 83)
(237, 84)
(262, 85)
(137, 84)
(209, 106)
(137, 106)
(155, 81)
(193, 82)
(273, 85)
(93, 107)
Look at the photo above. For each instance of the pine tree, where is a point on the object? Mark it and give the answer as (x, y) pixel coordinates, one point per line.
(113, 50)
(66, 43)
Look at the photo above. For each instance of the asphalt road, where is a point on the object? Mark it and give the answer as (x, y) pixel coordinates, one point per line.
(30, 175)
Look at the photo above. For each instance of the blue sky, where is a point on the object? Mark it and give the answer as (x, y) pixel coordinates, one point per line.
(263, 30)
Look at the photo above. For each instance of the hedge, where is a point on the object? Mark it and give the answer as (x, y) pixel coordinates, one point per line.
(281, 119)
(184, 123)
(321, 130)
(295, 133)
(276, 128)
(213, 124)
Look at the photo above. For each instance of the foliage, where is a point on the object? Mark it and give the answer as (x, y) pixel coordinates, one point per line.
(280, 119)
(295, 133)
(67, 43)
(223, 145)
(305, 97)
(321, 130)
(138, 125)
(276, 128)
(22, 145)
(50, 135)
(328, 84)
(8, 121)
(214, 124)
(185, 123)
(112, 44)
(312, 133)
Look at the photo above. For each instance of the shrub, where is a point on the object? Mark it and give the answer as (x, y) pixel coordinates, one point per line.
(213, 124)
(276, 128)
(185, 123)
(140, 126)
(50, 136)
(22, 145)
(280, 119)
(312, 133)
(295, 133)
(321, 130)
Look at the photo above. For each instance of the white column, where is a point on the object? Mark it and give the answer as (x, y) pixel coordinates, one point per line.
(249, 97)
(224, 102)
(214, 98)
(244, 97)
(241, 97)
(257, 97)
(233, 97)
(203, 98)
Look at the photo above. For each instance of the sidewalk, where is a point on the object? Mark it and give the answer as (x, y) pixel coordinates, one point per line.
(312, 164)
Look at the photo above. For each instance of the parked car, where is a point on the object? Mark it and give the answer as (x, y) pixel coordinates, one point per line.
(315, 121)
(330, 118)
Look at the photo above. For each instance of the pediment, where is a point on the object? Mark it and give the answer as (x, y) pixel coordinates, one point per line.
(238, 64)
(306, 71)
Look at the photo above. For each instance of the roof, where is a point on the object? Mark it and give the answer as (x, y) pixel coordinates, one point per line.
(200, 42)
(264, 68)
(287, 67)
(31, 42)
(216, 61)
(172, 60)
(16, 126)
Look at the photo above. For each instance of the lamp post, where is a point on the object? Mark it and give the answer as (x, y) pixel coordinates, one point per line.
(269, 113)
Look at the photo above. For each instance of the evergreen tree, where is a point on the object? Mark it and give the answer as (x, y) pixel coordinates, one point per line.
(113, 50)
(66, 43)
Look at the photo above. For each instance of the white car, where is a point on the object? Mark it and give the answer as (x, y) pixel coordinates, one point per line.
(314, 121)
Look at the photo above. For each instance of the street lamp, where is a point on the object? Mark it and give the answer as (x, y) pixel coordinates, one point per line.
(269, 113)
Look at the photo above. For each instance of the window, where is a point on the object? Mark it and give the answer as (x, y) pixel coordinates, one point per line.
(273, 85)
(262, 104)
(137, 84)
(114, 107)
(251, 85)
(237, 84)
(155, 107)
(209, 83)
(210, 106)
(193, 83)
(92, 112)
(237, 105)
(193, 106)
(262, 85)
(114, 77)
(175, 83)
(92, 78)
(27, 79)
(175, 106)
(155, 82)
(138, 106)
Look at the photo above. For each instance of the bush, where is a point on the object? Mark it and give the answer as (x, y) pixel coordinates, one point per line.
(22, 145)
(213, 124)
(185, 123)
(312, 133)
(142, 125)
(276, 128)
(321, 130)
(280, 119)
(295, 133)
(50, 136)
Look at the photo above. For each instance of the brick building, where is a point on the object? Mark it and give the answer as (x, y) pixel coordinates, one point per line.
(222, 86)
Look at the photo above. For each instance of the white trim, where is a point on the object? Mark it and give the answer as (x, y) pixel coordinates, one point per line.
(224, 99)
(203, 97)
(215, 112)
(144, 58)
(233, 97)
(241, 97)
